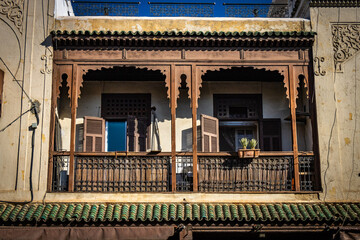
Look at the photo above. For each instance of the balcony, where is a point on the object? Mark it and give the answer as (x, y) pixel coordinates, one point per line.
(217, 172)
(264, 9)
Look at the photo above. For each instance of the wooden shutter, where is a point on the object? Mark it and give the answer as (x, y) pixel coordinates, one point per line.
(94, 134)
(271, 137)
(209, 133)
(136, 134)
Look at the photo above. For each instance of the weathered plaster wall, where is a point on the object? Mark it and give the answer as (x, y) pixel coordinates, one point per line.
(275, 105)
(337, 96)
(180, 24)
(24, 40)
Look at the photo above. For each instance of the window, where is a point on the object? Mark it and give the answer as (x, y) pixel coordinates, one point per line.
(240, 116)
(123, 126)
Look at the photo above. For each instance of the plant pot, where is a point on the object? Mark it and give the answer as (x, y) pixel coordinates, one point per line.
(248, 153)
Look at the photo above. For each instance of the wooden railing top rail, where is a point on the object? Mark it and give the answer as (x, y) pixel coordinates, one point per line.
(220, 154)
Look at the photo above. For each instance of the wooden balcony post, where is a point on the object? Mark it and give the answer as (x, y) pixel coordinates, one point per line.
(59, 70)
(52, 126)
(194, 100)
(173, 127)
(74, 99)
(292, 100)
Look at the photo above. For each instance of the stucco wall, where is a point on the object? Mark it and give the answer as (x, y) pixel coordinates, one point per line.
(181, 24)
(337, 96)
(24, 40)
(275, 105)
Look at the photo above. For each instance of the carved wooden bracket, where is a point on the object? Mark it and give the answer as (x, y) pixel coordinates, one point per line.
(200, 72)
(179, 71)
(164, 70)
(298, 71)
(59, 70)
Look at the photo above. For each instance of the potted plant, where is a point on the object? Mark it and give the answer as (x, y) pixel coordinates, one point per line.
(248, 153)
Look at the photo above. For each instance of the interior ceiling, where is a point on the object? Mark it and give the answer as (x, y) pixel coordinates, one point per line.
(125, 73)
(243, 74)
(122, 73)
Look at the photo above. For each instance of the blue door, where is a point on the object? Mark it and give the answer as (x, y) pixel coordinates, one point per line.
(116, 135)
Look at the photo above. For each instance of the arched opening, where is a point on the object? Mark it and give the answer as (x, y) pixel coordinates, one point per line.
(249, 102)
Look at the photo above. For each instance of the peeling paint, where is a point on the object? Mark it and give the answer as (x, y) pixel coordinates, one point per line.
(350, 116)
(347, 141)
(22, 174)
(339, 101)
(43, 137)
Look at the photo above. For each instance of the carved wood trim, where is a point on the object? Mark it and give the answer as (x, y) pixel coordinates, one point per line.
(59, 70)
(301, 70)
(180, 70)
(164, 69)
(202, 70)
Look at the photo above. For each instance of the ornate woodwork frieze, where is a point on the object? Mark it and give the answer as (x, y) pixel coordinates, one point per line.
(13, 10)
(164, 69)
(346, 42)
(59, 71)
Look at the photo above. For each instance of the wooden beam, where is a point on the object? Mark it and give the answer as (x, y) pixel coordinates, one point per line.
(173, 126)
(74, 98)
(59, 70)
(52, 127)
(292, 98)
(194, 100)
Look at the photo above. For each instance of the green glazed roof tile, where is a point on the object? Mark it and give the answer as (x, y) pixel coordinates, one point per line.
(148, 212)
(288, 212)
(22, 213)
(86, 212)
(180, 212)
(156, 212)
(278, 212)
(296, 212)
(38, 212)
(69, 211)
(265, 212)
(77, 211)
(257, 212)
(242, 212)
(186, 33)
(204, 212)
(132, 211)
(141, 212)
(164, 212)
(15, 212)
(46, 212)
(172, 212)
(117, 212)
(234, 212)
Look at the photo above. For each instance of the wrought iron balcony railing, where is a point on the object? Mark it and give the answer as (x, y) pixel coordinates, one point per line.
(219, 172)
(178, 9)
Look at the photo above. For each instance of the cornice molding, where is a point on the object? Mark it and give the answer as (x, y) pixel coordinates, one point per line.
(334, 3)
(14, 11)
(108, 40)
